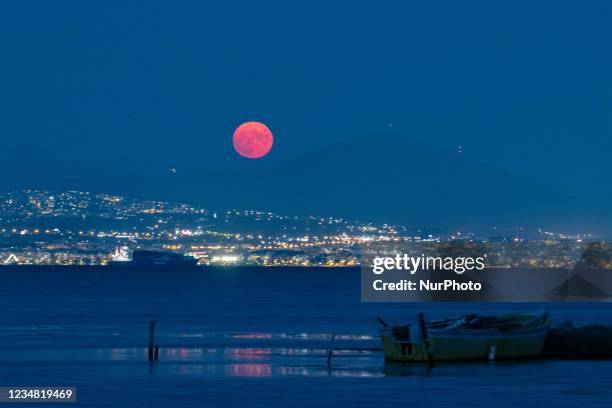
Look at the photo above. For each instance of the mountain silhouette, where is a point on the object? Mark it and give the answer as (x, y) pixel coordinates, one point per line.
(391, 178)
(381, 178)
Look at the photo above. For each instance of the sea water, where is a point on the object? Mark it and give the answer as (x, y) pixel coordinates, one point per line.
(257, 337)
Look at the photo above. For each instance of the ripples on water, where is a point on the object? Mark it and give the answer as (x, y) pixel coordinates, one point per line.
(256, 336)
(233, 354)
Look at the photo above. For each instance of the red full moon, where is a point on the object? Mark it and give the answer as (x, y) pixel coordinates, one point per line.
(253, 140)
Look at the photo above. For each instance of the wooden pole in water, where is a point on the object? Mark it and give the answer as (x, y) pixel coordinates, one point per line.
(491, 354)
(151, 340)
(329, 352)
(425, 336)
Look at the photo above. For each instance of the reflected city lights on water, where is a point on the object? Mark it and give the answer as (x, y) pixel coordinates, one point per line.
(328, 371)
(269, 370)
(271, 336)
(326, 336)
(190, 335)
(231, 353)
(196, 369)
(248, 370)
(183, 353)
(257, 354)
(240, 361)
(251, 336)
(249, 353)
(122, 354)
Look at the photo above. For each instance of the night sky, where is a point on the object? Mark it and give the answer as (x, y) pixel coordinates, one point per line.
(525, 87)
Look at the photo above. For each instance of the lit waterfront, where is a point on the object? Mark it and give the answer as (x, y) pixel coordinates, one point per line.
(79, 228)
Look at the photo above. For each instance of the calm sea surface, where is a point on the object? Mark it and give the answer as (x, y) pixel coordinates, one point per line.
(256, 337)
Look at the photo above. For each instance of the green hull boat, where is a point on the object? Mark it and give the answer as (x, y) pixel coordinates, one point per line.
(468, 337)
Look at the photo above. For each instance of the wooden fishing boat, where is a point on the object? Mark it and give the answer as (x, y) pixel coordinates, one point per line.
(469, 337)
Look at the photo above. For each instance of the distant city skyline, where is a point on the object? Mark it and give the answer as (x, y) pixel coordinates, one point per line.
(80, 228)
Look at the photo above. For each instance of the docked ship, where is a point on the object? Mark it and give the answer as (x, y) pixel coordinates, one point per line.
(140, 258)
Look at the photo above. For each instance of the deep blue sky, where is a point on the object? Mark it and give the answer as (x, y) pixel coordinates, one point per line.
(525, 86)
